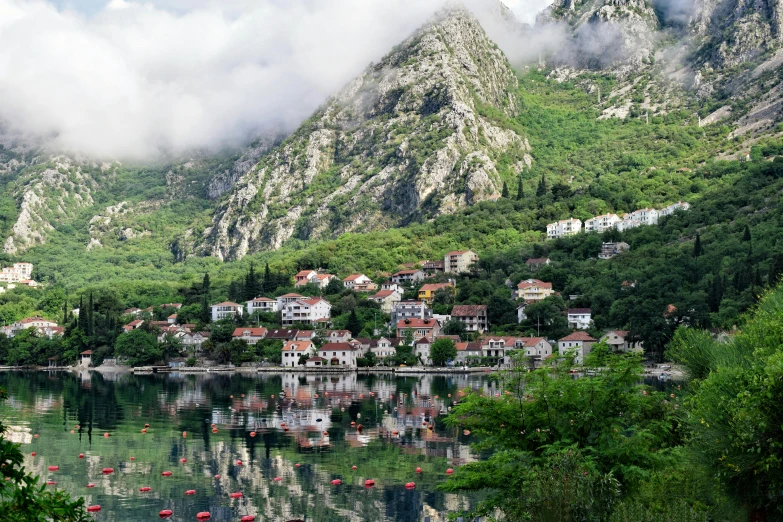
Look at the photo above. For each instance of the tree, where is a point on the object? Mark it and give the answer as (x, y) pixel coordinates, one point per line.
(442, 351)
(454, 327)
(334, 287)
(504, 193)
(82, 319)
(542, 188)
(222, 331)
(206, 315)
(561, 191)
(267, 285)
(520, 189)
(697, 246)
(775, 270)
(501, 310)
(746, 234)
(138, 347)
(252, 286)
(353, 324)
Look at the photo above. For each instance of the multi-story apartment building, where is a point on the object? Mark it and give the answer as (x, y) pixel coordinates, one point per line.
(409, 310)
(306, 311)
(262, 304)
(226, 310)
(459, 262)
(563, 228)
(474, 317)
(533, 290)
(601, 223)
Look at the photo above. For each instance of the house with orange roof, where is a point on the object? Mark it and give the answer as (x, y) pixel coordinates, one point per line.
(340, 354)
(304, 277)
(474, 317)
(261, 304)
(427, 292)
(533, 290)
(357, 282)
(419, 327)
(306, 311)
(293, 350)
(287, 298)
(226, 310)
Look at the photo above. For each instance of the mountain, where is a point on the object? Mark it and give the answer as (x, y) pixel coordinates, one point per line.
(426, 131)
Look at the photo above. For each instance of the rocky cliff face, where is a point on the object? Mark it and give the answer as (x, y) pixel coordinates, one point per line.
(419, 134)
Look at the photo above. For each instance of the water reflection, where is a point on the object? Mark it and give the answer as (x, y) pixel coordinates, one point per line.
(270, 423)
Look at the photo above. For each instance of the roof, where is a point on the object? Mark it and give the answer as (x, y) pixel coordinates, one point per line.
(536, 260)
(341, 333)
(298, 346)
(383, 294)
(337, 347)
(321, 277)
(423, 340)
(528, 283)
(304, 273)
(468, 310)
(354, 277)
(173, 316)
(579, 311)
(34, 319)
(433, 287)
(531, 341)
(297, 296)
(86, 352)
(316, 358)
(281, 333)
(135, 323)
(415, 322)
(313, 301)
(254, 332)
(262, 300)
(227, 303)
(578, 336)
(461, 347)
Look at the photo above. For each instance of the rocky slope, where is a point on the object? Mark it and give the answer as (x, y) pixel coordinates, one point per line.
(423, 132)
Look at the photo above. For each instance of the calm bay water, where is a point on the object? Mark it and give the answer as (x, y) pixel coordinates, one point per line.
(297, 419)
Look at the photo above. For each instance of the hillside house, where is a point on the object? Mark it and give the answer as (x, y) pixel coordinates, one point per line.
(226, 310)
(419, 327)
(433, 267)
(563, 228)
(293, 350)
(194, 340)
(579, 318)
(286, 299)
(536, 347)
(336, 336)
(578, 343)
(427, 292)
(133, 325)
(410, 309)
(536, 263)
(459, 262)
(619, 341)
(533, 290)
(474, 317)
(262, 305)
(16, 273)
(305, 277)
(391, 285)
(610, 250)
(671, 209)
(386, 298)
(339, 354)
(32, 322)
(282, 334)
(250, 335)
(602, 223)
(306, 311)
(356, 280)
(408, 277)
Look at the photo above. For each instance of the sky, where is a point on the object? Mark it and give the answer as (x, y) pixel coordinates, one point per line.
(130, 79)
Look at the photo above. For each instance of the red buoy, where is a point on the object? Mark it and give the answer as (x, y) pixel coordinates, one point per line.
(144, 430)
(369, 483)
(50, 483)
(297, 465)
(239, 462)
(235, 495)
(166, 473)
(145, 489)
(247, 518)
(54, 468)
(183, 460)
(146, 425)
(35, 436)
(32, 454)
(252, 433)
(184, 434)
(166, 513)
(278, 479)
(190, 492)
(336, 482)
(449, 471)
(354, 468)
(204, 515)
(107, 471)
(90, 485)
(81, 455)
(214, 430)
(217, 477)
(106, 435)
(410, 485)
(133, 458)
(93, 509)
(418, 470)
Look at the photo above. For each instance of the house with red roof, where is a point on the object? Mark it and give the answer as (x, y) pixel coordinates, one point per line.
(578, 343)
(249, 335)
(306, 311)
(340, 354)
(419, 327)
(460, 261)
(357, 280)
(474, 317)
(533, 290)
(408, 277)
(386, 298)
(293, 350)
(286, 299)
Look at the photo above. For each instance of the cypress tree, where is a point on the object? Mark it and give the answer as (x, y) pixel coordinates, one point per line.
(90, 317)
(520, 189)
(504, 194)
(251, 284)
(746, 234)
(205, 285)
(82, 319)
(206, 316)
(65, 312)
(775, 270)
(354, 325)
(267, 285)
(697, 251)
(541, 190)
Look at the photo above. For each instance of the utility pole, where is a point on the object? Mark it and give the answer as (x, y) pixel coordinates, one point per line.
(538, 318)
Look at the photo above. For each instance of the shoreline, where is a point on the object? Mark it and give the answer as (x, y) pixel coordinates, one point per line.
(151, 370)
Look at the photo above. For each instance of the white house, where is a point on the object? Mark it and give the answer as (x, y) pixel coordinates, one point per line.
(306, 311)
(410, 309)
(521, 312)
(474, 317)
(339, 354)
(32, 322)
(262, 304)
(536, 347)
(563, 228)
(578, 343)
(407, 277)
(354, 280)
(680, 205)
(386, 298)
(305, 277)
(293, 350)
(467, 352)
(644, 216)
(618, 341)
(250, 335)
(601, 223)
(226, 310)
(286, 299)
(579, 318)
(17, 273)
(421, 349)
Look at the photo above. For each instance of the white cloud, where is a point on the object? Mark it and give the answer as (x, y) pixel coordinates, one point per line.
(127, 79)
